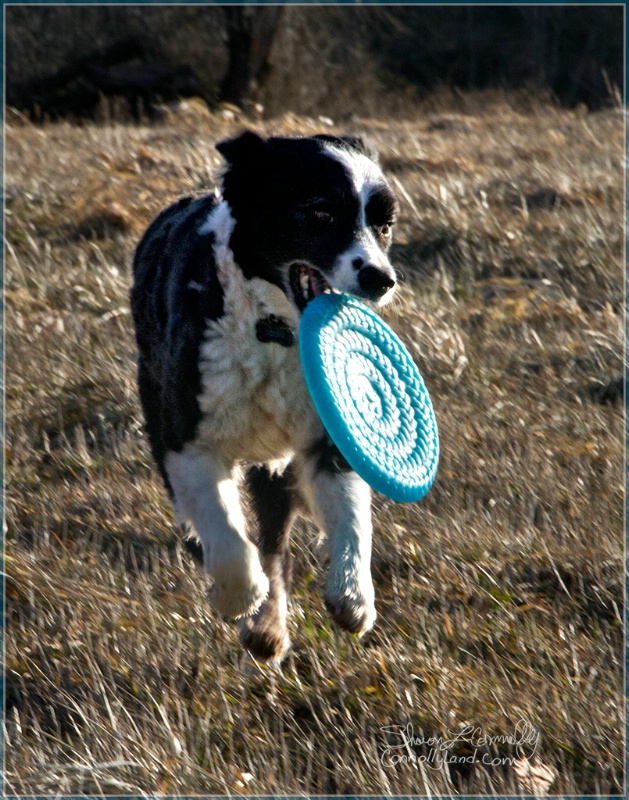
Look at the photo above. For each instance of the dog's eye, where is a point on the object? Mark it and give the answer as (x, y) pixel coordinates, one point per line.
(385, 230)
(323, 217)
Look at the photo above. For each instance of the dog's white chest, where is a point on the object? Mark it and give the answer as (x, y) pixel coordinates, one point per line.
(254, 398)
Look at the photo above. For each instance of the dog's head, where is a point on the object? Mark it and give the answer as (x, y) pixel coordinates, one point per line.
(312, 214)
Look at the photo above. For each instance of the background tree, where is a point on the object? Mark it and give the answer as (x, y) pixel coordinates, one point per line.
(250, 34)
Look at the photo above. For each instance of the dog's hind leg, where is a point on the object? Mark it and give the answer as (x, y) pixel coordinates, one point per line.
(207, 495)
(341, 504)
(264, 634)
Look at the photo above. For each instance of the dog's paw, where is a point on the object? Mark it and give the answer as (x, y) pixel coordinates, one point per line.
(264, 634)
(239, 586)
(353, 613)
(266, 642)
(349, 597)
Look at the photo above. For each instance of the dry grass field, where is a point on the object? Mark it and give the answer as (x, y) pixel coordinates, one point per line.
(500, 595)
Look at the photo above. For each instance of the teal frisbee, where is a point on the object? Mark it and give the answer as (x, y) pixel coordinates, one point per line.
(370, 396)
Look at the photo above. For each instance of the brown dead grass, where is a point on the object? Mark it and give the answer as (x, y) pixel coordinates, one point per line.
(499, 596)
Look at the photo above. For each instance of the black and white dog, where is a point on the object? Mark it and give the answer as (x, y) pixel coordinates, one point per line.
(220, 284)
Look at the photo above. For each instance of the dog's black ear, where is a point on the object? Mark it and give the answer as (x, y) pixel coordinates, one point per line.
(353, 142)
(246, 147)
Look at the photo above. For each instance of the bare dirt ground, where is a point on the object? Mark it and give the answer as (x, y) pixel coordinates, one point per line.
(500, 600)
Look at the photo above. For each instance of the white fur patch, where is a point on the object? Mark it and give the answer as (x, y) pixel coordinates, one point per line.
(342, 507)
(366, 176)
(207, 496)
(219, 222)
(254, 399)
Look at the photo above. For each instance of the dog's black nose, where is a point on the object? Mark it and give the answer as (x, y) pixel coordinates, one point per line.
(374, 281)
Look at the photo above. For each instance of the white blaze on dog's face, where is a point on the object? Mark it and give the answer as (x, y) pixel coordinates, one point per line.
(313, 214)
(364, 268)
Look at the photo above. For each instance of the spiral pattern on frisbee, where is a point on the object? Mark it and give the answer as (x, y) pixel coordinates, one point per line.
(370, 396)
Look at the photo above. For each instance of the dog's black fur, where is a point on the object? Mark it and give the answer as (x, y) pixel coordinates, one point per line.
(302, 215)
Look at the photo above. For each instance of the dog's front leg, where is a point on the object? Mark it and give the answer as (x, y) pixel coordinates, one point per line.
(341, 505)
(272, 497)
(207, 495)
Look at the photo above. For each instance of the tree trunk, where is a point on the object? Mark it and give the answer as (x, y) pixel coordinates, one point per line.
(250, 34)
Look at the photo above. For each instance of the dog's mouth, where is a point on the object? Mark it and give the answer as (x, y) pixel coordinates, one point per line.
(306, 283)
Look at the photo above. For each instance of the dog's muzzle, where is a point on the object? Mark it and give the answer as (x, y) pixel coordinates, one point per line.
(306, 283)
(375, 282)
